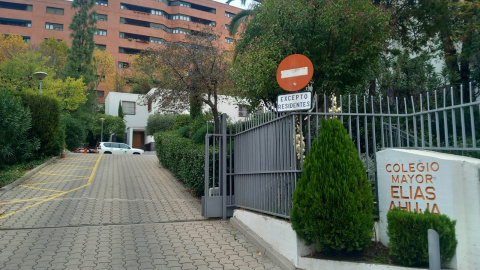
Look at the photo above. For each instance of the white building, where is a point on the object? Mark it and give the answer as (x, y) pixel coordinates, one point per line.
(137, 113)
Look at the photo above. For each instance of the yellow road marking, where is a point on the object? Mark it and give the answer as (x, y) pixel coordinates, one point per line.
(45, 189)
(85, 167)
(26, 200)
(56, 174)
(53, 182)
(59, 194)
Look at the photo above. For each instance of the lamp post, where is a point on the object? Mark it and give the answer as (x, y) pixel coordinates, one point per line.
(40, 76)
(101, 134)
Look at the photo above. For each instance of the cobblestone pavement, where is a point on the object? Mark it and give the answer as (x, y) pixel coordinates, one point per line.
(114, 212)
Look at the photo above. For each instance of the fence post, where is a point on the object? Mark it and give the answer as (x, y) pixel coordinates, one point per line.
(223, 164)
(433, 250)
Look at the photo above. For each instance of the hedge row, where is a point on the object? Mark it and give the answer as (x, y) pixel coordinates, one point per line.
(408, 232)
(184, 158)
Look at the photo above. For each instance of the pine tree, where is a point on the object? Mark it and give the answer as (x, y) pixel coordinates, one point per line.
(80, 54)
(332, 203)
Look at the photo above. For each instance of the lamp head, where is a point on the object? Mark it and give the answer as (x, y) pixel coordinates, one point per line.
(40, 75)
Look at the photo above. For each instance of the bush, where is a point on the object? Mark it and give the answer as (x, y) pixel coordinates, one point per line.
(408, 232)
(199, 136)
(199, 122)
(75, 132)
(181, 120)
(183, 158)
(184, 131)
(332, 203)
(45, 112)
(159, 122)
(15, 146)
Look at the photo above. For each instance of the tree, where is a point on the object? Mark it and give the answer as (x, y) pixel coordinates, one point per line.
(111, 125)
(195, 70)
(146, 72)
(56, 52)
(343, 39)
(70, 93)
(80, 55)
(12, 45)
(333, 202)
(104, 65)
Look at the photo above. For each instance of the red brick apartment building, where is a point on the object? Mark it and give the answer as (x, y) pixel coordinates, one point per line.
(125, 27)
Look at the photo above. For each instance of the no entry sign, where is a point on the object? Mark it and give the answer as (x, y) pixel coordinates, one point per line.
(294, 72)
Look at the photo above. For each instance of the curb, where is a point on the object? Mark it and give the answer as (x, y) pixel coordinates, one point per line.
(263, 246)
(26, 176)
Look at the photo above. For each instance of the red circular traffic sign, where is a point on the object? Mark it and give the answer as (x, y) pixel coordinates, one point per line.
(294, 72)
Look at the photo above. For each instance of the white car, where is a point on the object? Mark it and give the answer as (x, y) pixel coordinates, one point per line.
(117, 148)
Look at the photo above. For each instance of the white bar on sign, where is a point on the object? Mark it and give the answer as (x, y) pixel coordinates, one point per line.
(294, 72)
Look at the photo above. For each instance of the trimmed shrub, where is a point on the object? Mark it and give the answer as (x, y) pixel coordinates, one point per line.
(408, 232)
(199, 136)
(184, 131)
(181, 120)
(159, 122)
(75, 132)
(183, 158)
(45, 112)
(15, 146)
(332, 202)
(199, 122)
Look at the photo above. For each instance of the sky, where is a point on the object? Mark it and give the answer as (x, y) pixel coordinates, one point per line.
(236, 3)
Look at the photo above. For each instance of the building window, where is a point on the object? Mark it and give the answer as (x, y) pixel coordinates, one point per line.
(101, 17)
(183, 4)
(101, 3)
(101, 47)
(181, 17)
(15, 22)
(54, 26)
(157, 40)
(8, 5)
(179, 31)
(149, 105)
(229, 40)
(128, 50)
(227, 27)
(157, 12)
(229, 14)
(52, 10)
(100, 93)
(128, 107)
(242, 111)
(123, 65)
(101, 32)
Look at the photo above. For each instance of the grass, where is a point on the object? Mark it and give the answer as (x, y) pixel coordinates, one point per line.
(11, 173)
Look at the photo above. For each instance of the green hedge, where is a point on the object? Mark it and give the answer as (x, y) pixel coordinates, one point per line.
(185, 159)
(408, 232)
(160, 122)
(45, 112)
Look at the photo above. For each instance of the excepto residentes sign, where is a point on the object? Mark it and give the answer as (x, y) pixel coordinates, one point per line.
(294, 102)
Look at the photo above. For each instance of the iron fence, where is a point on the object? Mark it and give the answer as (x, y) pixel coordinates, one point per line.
(262, 157)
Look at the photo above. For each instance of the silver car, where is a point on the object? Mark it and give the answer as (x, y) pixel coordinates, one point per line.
(117, 148)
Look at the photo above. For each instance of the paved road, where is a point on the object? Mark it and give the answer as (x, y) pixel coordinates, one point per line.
(91, 211)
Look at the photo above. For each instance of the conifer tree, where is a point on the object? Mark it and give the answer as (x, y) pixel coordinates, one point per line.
(80, 54)
(332, 203)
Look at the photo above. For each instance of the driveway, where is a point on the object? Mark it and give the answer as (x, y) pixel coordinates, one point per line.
(92, 211)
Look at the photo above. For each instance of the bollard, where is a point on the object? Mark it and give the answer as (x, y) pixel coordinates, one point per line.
(433, 250)
(63, 155)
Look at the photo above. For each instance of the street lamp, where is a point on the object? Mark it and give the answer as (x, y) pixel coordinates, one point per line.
(101, 134)
(40, 76)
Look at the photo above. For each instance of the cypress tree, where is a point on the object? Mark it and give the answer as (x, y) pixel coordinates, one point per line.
(332, 203)
(80, 54)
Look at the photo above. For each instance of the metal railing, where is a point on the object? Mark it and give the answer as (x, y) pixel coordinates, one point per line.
(265, 153)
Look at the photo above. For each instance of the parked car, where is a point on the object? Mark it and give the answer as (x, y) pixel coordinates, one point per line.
(117, 148)
(82, 148)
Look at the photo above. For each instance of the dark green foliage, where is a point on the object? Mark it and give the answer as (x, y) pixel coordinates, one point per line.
(200, 121)
(11, 173)
(120, 110)
(75, 132)
(45, 112)
(15, 124)
(184, 131)
(181, 120)
(80, 55)
(199, 136)
(112, 125)
(159, 122)
(408, 232)
(183, 158)
(332, 203)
